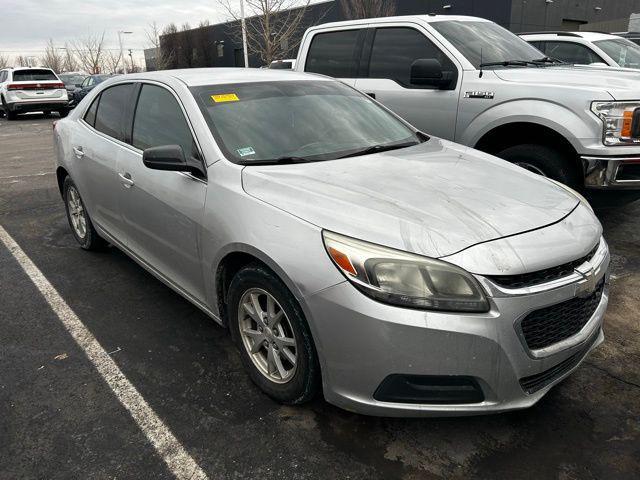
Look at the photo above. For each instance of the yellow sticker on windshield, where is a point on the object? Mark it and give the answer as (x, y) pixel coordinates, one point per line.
(225, 97)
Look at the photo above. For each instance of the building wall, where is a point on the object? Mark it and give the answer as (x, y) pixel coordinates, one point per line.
(535, 15)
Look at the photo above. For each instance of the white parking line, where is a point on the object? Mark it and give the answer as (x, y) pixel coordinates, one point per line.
(181, 464)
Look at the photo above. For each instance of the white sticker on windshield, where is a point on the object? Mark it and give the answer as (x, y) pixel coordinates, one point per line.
(243, 152)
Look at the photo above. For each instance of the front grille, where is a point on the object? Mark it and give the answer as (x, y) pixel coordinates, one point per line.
(542, 276)
(538, 381)
(549, 325)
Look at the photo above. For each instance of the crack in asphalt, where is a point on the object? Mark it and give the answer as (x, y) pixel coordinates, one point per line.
(615, 377)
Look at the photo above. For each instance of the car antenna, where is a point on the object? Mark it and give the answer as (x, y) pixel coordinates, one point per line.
(480, 75)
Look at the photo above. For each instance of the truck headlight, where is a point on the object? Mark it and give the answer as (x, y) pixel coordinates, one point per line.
(621, 122)
(404, 279)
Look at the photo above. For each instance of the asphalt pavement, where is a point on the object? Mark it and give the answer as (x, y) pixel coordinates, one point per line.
(60, 419)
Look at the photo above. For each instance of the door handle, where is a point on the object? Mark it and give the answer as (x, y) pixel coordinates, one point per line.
(77, 151)
(126, 180)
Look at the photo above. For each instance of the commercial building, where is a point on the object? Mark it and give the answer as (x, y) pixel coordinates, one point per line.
(220, 46)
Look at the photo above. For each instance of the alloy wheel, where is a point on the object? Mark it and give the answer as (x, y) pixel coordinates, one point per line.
(267, 335)
(76, 212)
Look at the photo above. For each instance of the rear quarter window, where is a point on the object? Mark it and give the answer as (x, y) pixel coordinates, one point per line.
(333, 54)
(110, 116)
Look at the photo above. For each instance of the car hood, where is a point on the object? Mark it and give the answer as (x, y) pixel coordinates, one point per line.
(434, 199)
(621, 84)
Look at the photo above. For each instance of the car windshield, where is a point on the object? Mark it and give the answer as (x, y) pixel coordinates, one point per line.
(72, 79)
(33, 75)
(624, 52)
(309, 120)
(486, 42)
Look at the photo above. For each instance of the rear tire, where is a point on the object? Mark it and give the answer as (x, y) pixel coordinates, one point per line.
(11, 115)
(78, 217)
(287, 382)
(546, 161)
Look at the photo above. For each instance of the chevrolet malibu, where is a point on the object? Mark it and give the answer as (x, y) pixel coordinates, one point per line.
(346, 251)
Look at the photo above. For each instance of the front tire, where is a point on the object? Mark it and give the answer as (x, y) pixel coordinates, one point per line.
(545, 161)
(270, 331)
(79, 219)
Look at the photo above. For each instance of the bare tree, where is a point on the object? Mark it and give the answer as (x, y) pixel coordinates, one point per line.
(70, 63)
(90, 52)
(4, 61)
(273, 27)
(112, 61)
(163, 56)
(22, 61)
(52, 58)
(353, 9)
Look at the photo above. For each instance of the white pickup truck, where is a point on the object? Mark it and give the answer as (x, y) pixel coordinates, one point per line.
(469, 80)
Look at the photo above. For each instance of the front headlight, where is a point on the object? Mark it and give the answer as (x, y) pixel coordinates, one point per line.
(621, 122)
(405, 279)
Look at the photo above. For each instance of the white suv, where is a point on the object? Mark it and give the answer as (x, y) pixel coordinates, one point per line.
(25, 90)
(586, 48)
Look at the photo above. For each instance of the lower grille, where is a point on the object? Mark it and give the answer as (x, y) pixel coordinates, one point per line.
(538, 381)
(549, 325)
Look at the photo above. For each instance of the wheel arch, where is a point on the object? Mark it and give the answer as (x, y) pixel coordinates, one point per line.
(61, 174)
(525, 132)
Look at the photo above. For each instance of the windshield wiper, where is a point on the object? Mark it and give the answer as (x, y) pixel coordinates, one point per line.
(506, 63)
(380, 148)
(279, 161)
(549, 60)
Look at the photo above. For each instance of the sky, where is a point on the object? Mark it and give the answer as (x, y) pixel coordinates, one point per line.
(27, 25)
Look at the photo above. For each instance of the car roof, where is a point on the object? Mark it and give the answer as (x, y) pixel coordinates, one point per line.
(218, 76)
(404, 18)
(589, 36)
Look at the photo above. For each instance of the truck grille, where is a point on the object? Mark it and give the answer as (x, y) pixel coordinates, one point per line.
(542, 276)
(549, 325)
(540, 380)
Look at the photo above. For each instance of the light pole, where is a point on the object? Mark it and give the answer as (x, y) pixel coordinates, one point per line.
(244, 35)
(124, 63)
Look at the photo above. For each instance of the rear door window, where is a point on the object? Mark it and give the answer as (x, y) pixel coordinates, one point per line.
(33, 75)
(395, 49)
(334, 54)
(90, 115)
(111, 110)
(159, 121)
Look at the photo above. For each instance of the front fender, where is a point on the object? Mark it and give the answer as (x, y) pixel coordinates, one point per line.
(573, 127)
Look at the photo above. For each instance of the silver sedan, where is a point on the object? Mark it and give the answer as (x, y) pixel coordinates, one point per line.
(347, 252)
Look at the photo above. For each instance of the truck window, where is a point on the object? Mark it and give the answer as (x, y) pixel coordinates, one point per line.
(572, 53)
(395, 49)
(333, 54)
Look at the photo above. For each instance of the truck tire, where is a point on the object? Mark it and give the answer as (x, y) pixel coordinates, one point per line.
(545, 161)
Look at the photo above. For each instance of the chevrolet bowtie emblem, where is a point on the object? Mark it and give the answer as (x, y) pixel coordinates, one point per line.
(587, 287)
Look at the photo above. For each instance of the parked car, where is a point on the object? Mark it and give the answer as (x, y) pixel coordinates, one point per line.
(633, 36)
(470, 80)
(72, 82)
(586, 48)
(288, 64)
(401, 274)
(88, 84)
(25, 90)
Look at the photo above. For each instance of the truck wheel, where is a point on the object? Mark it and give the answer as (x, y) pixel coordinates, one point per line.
(63, 112)
(545, 161)
(11, 115)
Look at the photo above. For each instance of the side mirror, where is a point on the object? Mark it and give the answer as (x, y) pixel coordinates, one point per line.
(428, 72)
(170, 158)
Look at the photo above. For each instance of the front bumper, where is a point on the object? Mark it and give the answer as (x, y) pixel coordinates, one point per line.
(619, 172)
(361, 342)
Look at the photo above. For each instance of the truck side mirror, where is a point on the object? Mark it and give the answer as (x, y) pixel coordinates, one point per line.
(428, 72)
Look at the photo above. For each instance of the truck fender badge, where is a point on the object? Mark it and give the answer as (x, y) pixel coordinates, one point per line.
(487, 95)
